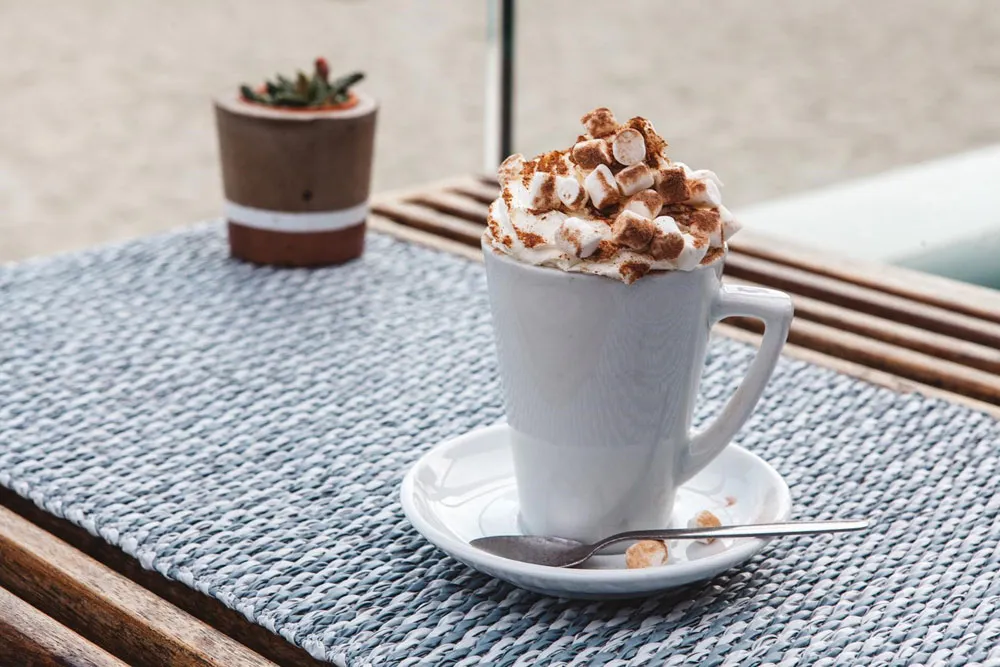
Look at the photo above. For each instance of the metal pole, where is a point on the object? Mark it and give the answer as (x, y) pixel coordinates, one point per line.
(499, 122)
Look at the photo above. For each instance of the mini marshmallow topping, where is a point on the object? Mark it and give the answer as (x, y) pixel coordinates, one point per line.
(646, 553)
(612, 204)
(705, 519)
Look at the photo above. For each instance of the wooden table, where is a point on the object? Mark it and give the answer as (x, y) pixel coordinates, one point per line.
(68, 598)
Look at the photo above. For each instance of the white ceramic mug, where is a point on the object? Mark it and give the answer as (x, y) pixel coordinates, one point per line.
(600, 380)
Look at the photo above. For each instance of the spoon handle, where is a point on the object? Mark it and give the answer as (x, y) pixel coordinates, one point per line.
(751, 530)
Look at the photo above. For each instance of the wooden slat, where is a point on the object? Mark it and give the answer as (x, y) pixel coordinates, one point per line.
(934, 344)
(859, 371)
(478, 190)
(455, 204)
(408, 192)
(423, 238)
(890, 358)
(206, 609)
(863, 299)
(927, 288)
(427, 219)
(105, 607)
(29, 637)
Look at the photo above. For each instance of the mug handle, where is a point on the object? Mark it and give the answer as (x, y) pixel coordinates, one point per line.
(774, 309)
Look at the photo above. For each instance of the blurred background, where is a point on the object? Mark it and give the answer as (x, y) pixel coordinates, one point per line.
(107, 132)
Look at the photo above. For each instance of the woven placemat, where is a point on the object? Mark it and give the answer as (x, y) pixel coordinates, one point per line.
(244, 431)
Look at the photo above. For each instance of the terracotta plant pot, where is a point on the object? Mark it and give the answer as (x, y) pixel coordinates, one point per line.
(296, 181)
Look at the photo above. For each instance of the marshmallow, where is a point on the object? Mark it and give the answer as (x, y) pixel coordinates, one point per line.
(633, 179)
(632, 230)
(705, 222)
(600, 122)
(666, 225)
(570, 192)
(666, 247)
(646, 553)
(668, 242)
(629, 147)
(730, 225)
(646, 203)
(511, 168)
(542, 191)
(589, 154)
(554, 162)
(704, 193)
(672, 185)
(694, 251)
(579, 238)
(601, 187)
(704, 519)
(712, 255)
(704, 175)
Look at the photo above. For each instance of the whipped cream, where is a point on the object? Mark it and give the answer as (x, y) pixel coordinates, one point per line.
(613, 204)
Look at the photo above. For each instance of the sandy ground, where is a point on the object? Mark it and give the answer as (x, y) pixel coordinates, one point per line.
(106, 130)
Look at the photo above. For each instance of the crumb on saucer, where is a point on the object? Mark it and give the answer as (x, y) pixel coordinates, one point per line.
(705, 519)
(646, 553)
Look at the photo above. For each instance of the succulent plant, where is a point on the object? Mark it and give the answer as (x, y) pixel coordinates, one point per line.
(303, 91)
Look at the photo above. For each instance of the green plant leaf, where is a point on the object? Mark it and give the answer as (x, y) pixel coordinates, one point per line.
(248, 94)
(339, 88)
(322, 92)
(287, 100)
(312, 94)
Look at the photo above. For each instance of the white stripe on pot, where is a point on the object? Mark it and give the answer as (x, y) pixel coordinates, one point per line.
(285, 221)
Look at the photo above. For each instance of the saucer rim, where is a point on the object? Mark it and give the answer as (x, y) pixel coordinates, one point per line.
(688, 571)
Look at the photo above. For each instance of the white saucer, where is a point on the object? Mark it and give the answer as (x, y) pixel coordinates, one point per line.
(464, 488)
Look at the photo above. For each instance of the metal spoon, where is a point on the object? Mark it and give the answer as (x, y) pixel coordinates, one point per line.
(561, 552)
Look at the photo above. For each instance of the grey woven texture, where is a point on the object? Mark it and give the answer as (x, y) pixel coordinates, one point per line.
(245, 430)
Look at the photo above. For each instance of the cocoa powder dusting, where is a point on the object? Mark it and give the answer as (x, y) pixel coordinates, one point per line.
(679, 209)
(548, 190)
(529, 239)
(632, 230)
(673, 186)
(712, 255)
(632, 271)
(589, 154)
(651, 198)
(666, 246)
(553, 162)
(493, 226)
(573, 236)
(655, 144)
(703, 221)
(528, 172)
(508, 198)
(605, 251)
